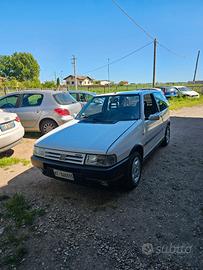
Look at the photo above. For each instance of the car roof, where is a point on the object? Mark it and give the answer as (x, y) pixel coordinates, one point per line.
(82, 92)
(136, 91)
(34, 92)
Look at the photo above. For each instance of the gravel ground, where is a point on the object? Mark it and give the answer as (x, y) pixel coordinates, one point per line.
(156, 226)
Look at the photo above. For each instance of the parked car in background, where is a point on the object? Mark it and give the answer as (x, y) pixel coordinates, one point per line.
(186, 91)
(169, 91)
(82, 96)
(11, 130)
(108, 140)
(41, 110)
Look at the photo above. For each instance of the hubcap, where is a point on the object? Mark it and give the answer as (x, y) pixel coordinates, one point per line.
(48, 127)
(167, 134)
(136, 170)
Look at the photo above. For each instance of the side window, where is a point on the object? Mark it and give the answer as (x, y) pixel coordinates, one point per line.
(74, 95)
(30, 100)
(150, 106)
(9, 102)
(89, 97)
(161, 101)
(82, 97)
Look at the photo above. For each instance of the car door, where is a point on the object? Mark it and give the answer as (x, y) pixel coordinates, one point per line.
(30, 110)
(10, 103)
(152, 127)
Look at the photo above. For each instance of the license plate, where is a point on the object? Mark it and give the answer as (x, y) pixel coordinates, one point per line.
(7, 126)
(65, 175)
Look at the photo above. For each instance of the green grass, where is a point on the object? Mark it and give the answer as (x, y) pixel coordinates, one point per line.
(178, 103)
(19, 209)
(17, 216)
(9, 161)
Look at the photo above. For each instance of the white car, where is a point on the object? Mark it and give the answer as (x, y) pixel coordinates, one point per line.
(108, 140)
(186, 91)
(11, 130)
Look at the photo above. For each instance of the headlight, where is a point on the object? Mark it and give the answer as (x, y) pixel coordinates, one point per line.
(100, 160)
(38, 151)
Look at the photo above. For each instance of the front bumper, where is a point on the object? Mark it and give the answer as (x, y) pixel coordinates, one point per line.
(82, 173)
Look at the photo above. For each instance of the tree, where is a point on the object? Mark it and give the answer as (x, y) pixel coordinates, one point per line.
(49, 85)
(58, 82)
(21, 66)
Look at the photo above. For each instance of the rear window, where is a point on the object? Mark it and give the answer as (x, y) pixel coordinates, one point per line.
(64, 98)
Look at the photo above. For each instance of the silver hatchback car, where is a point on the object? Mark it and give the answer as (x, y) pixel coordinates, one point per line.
(108, 140)
(41, 110)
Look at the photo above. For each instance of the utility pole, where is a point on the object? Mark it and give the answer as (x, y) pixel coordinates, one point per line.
(108, 76)
(74, 71)
(196, 65)
(154, 64)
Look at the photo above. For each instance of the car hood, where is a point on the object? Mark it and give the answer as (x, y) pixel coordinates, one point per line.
(84, 137)
(190, 93)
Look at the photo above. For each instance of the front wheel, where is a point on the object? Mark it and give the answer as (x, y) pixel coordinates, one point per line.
(166, 139)
(134, 171)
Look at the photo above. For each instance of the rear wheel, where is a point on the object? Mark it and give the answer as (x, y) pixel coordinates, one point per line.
(134, 171)
(47, 125)
(166, 139)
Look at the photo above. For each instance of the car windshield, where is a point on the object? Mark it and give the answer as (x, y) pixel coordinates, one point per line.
(184, 88)
(64, 98)
(111, 108)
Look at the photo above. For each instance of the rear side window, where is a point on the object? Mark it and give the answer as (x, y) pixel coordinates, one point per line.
(64, 98)
(161, 101)
(9, 102)
(31, 100)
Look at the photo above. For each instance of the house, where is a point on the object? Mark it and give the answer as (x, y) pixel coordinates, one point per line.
(123, 83)
(104, 82)
(81, 80)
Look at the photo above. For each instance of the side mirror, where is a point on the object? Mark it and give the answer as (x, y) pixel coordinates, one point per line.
(154, 117)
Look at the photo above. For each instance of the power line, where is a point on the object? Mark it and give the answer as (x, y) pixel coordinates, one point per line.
(120, 58)
(169, 50)
(143, 30)
(139, 26)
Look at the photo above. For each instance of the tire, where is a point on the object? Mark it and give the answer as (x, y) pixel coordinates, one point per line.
(166, 139)
(134, 171)
(47, 125)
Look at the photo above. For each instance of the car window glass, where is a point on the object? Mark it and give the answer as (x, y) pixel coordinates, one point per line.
(82, 97)
(112, 108)
(30, 100)
(150, 106)
(161, 101)
(64, 98)
(9, 102)
(74, 95)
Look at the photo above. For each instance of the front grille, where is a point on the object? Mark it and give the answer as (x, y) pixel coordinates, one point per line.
(69, 157)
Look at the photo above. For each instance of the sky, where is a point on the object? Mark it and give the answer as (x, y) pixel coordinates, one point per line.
(95, 30)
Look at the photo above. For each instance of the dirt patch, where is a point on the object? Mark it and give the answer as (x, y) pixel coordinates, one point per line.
(156, 226)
